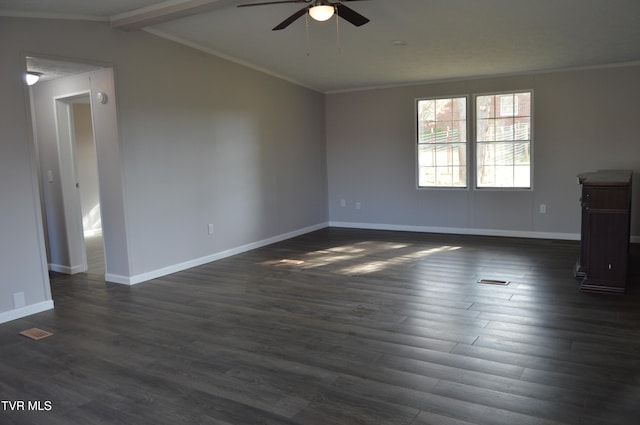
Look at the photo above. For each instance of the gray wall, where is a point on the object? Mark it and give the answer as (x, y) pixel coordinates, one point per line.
(208, 141)
(583, 121)
(22, 255)
(202, 140)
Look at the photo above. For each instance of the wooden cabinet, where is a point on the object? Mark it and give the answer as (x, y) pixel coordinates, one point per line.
(606, 214)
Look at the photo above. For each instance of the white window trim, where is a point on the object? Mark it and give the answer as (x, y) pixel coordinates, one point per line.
(473, 148)
(416, 145)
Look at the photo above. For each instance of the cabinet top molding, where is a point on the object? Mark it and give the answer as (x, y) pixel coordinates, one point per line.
(606, 177)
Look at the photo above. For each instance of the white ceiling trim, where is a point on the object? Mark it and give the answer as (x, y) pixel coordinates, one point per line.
(41, 15)
(486, 77)
(159, 13)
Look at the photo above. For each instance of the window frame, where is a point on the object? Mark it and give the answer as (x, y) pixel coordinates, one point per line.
(499, 115)
(468, 144)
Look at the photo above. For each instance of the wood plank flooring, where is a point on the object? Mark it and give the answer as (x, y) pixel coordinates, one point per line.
(95, 254)
(341, 327)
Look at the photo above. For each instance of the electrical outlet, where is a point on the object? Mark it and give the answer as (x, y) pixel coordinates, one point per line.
(210, 229)
(358, 205)
(543, 208)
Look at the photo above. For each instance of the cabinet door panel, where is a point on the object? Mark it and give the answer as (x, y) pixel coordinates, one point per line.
(607, 255)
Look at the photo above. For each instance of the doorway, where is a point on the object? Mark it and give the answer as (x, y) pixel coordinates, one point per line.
(86, 161)
(77, 155)
(66, 153)
(78, 181)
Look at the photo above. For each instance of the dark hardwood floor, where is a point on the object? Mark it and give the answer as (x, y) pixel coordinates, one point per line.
(95, 254)
(337, 327)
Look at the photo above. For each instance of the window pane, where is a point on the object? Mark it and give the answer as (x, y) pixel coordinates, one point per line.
(450, 132)
(459, 109)
(504, 129)
(451, 154)
(503, 176)
(486, 175)
(522, 154)
(443, 176)
(427, 137)
(426, 121)
(448, 155)
(522, 176)
(458, 132)
(442, 157)
(523, 128)
(451, 176)
(427, 176)
(503, 140)
(495, 176)
(523, 102)
(504, 154)
(427, 110)
(444, 130)
(443, 109)
(442, 142)
(426, 155)
(485, 107)
(506, 105)
(485, 130)
(459, 176)
(495, 154)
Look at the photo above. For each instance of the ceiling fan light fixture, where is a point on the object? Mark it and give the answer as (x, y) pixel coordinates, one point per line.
(321, 12)
(32, 77)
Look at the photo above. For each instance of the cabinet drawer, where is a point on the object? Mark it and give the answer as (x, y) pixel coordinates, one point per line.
(606, 198)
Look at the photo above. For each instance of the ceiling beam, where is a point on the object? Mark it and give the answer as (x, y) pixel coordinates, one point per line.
(162, 12)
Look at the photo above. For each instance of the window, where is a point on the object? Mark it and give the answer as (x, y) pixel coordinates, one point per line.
(442, 142)
(503, 140)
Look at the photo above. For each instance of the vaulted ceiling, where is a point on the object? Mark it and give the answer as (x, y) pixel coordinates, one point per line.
(406, 41)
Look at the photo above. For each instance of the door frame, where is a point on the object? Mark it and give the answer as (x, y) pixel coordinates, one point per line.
(100, 84)
(69, 179)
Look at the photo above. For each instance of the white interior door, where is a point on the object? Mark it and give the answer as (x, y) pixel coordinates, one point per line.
(70, 183)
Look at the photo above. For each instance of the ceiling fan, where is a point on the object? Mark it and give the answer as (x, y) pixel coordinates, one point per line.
(320, 10)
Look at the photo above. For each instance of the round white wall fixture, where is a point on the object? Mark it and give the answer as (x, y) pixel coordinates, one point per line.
(101, 97)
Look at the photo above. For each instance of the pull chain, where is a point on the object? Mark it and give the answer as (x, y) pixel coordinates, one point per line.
(338, 31)
(306, 20)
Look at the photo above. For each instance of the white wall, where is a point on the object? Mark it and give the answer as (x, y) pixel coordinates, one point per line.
(202, 140)
(583, 121)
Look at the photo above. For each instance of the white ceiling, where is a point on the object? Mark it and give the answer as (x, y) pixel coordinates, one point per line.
(443, 39)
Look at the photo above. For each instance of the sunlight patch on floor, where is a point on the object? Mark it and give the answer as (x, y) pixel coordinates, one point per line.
(360, 258)
(378, 265)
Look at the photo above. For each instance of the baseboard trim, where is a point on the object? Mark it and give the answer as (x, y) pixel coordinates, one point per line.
(458, 230)
(28, 310)
(116, 278)
(65, 269)
(143, 277)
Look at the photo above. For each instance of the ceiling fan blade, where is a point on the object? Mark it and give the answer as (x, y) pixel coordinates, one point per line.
(350, 15)
(272, 2)
(282, 25)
